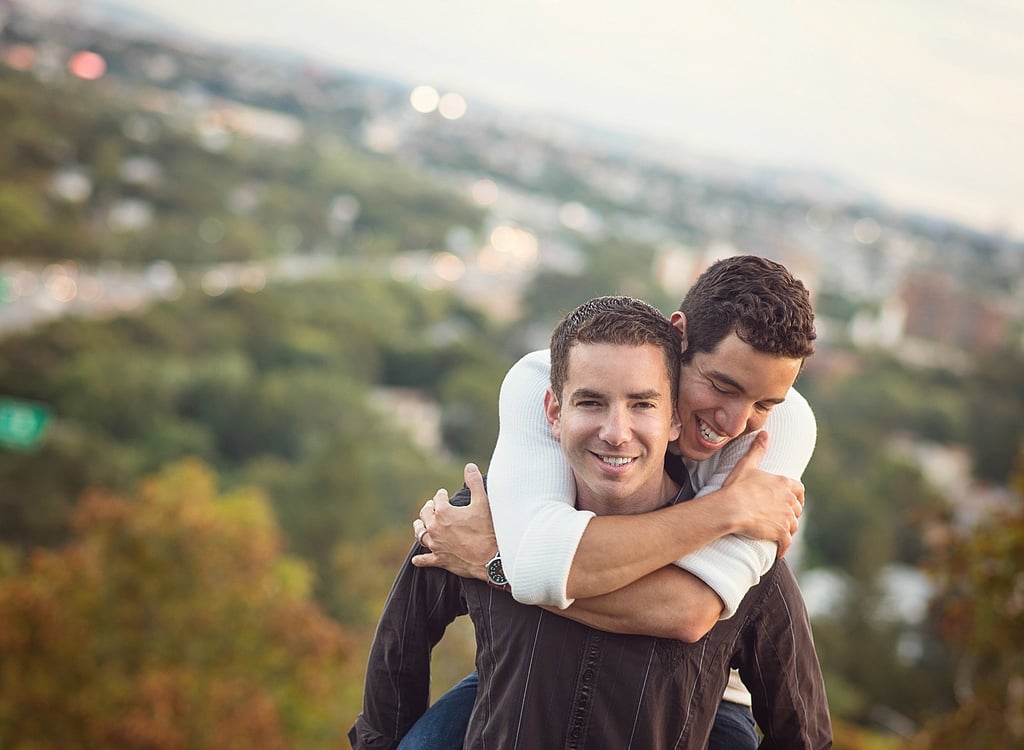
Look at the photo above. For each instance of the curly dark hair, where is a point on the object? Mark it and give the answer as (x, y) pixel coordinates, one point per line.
(757, 299)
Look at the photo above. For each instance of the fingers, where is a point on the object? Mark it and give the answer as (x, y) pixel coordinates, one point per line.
(798, 491)
(475, 482)
(755, 453)
(784, 545)
(429, 509)
(426, 560)
(419, 529)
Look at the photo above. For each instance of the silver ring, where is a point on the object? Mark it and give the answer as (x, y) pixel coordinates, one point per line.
(419, 537)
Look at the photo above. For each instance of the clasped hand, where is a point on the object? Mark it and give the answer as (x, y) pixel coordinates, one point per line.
(460, 537)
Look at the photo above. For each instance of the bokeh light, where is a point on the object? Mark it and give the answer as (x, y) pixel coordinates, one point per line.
(449, 267)
(867, 231)
(424, 99)
(484, 192)
(20, 56)
(511, 249)
(452, 106)
(252, 279)
(87, 65)
(574, 215)
(215, 282)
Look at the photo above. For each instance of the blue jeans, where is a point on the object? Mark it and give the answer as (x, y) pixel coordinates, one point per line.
(733, 728)
(443, 726)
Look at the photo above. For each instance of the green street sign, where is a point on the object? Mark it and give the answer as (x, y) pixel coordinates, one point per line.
(22, 423)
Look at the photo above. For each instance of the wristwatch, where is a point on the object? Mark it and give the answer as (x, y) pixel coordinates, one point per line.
(496, 573)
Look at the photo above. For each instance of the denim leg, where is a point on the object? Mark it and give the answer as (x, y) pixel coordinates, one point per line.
(733, 728)
(443, 726)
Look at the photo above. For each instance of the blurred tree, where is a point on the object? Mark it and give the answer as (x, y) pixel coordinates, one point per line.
(996, 400)
(469, 400)
(172, 621)
(880, 671)
(362, 574)
(37, 490)
(980, 610)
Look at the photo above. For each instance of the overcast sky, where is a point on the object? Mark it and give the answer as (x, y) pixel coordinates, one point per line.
(921, 101)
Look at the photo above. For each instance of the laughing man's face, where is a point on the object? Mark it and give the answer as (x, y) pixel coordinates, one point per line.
(729, 392)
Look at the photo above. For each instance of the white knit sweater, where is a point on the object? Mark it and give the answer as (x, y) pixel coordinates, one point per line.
(532, 494)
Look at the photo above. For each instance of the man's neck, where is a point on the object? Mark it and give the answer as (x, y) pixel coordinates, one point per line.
(652, 498)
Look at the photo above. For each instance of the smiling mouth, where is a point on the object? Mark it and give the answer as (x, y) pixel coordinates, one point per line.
(616, 460)
(710, 435)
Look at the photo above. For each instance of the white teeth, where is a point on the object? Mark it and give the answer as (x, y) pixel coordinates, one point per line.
(616, 460)
(711, 437)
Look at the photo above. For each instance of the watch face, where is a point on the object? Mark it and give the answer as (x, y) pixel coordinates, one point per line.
(495, 572)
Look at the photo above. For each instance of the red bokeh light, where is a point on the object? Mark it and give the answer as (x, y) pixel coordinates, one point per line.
(87, 65)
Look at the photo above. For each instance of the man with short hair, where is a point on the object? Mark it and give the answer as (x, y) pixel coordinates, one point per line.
(746, 328)
(546, 680)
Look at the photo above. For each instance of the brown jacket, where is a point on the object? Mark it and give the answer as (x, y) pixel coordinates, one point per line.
(549, 682)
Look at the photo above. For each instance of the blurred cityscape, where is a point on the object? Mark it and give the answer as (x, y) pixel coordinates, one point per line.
(929, 290)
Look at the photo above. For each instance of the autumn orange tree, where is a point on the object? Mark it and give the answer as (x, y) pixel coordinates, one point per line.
(173, 621)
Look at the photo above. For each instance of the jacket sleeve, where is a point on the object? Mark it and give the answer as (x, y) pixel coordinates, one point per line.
(779, 665)
(421, 604)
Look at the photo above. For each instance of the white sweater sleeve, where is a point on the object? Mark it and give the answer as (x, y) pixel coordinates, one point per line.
(532, 491)
(732, 564)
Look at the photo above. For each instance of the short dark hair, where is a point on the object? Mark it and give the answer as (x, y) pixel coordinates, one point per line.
(619, 320)
(757, 299)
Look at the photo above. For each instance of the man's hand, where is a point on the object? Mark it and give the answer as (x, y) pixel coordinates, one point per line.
(767, 506)
(460, 538)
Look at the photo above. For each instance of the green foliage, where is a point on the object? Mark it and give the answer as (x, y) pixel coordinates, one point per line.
(996, 400)
(878, 668)
(22, 221)
(981, 614)
(270, 389)
(172, 621)
(868, 507)
(469, 397)
(868, 504)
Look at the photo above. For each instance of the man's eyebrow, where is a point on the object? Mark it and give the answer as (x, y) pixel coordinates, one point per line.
(733, 383)
(648, 395)
(585, 393)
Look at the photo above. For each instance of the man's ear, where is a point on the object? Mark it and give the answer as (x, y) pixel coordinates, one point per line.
(679, 323)
(553, 411)
(676, 427)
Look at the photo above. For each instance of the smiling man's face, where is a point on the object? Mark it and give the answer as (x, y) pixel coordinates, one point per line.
(614, 420)
(729, 392)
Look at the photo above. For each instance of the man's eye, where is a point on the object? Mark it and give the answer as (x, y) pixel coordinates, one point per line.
(645, 405)
(764, 408)
(717, 389)
(586, 404)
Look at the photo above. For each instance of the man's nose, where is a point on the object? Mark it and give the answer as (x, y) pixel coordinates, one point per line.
(615, 429)
(735, 419)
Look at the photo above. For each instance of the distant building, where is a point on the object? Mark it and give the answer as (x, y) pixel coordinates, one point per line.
(939, 310)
